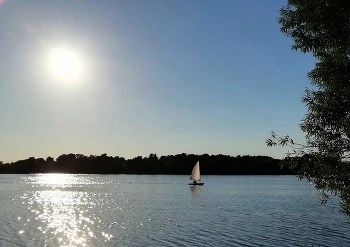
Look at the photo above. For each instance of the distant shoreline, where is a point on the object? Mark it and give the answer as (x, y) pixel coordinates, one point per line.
(180, 164)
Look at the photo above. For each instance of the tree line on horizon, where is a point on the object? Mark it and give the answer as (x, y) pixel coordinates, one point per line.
(180, 164)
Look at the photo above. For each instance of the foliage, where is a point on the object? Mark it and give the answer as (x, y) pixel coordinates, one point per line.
(322, 27)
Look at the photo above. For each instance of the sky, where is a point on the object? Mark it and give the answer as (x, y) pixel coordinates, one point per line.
(154, 76)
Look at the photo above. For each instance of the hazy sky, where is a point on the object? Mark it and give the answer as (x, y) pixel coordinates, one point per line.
(156, 76)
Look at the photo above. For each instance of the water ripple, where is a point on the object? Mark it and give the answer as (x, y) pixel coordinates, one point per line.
(127, 210)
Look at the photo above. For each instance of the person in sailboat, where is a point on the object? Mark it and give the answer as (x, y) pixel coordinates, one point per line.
(194, 182)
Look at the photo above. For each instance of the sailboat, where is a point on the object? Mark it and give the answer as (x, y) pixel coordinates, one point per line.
(196, 175)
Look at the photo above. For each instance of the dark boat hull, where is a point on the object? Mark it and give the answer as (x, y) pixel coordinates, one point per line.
(196, 184)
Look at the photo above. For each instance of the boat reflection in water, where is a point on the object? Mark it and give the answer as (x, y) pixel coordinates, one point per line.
(196, 190)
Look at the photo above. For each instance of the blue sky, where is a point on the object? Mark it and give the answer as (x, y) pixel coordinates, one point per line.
(163, 77)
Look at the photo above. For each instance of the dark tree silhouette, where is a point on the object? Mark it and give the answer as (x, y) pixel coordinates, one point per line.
(322, 27)
(170, 164)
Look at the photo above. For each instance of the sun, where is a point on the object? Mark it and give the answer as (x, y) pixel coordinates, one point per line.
(65, 64)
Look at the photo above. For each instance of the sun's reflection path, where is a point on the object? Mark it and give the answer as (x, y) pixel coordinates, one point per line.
(63, 211)
(61, 215)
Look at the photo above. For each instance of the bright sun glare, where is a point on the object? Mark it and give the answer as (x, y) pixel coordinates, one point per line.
(65, 64)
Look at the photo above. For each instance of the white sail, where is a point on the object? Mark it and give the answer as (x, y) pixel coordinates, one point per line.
(195, 175)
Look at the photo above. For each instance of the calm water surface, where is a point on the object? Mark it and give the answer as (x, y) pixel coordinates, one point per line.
(130, 210)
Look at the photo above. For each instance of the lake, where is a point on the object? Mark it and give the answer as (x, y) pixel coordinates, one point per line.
(163, 210)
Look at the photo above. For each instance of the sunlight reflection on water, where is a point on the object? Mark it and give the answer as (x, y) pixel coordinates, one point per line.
(64, 214)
